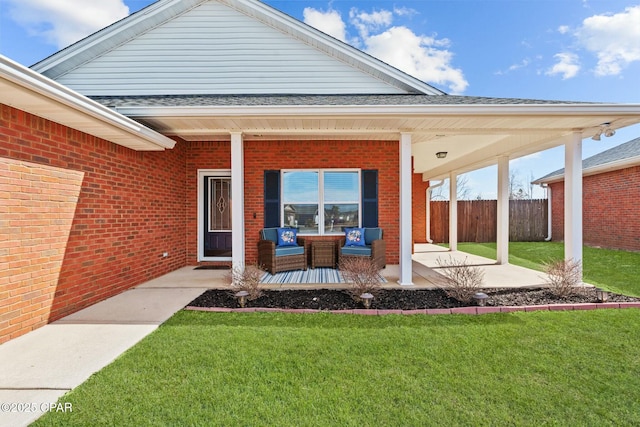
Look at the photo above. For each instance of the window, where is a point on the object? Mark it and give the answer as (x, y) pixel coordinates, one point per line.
(321, 201)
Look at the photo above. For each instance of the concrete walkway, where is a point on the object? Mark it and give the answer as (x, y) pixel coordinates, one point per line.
(426, 266)
(38, 368)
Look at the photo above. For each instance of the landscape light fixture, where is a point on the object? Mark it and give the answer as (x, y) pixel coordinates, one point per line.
(242, 297)
(605, 129)
(602, 295)
(481, 298)
(441, 154)
(366, 299)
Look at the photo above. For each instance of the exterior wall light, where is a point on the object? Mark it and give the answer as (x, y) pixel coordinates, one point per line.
(605, 129)
(441, 154)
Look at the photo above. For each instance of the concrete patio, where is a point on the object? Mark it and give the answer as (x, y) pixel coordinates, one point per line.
(40, 367)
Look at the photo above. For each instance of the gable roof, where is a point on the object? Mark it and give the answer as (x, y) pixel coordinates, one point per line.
(619, 157)
(218, 47)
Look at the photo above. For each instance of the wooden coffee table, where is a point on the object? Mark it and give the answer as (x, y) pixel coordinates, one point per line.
(323, 253)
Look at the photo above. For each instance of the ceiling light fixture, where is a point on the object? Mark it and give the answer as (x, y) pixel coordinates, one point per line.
(441, 154)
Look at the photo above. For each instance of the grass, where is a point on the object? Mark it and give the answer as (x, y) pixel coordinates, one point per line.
(618, 271)
(276, 369)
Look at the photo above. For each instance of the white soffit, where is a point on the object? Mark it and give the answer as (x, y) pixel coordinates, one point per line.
(473, 135)
(29, 91)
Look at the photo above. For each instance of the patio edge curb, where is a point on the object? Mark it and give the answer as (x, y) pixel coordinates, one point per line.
(456, 310)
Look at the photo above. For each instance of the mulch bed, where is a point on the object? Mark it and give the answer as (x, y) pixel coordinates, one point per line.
(403, 299)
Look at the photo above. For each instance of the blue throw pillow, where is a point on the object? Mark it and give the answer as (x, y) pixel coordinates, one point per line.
(354, 236)
(287, 237)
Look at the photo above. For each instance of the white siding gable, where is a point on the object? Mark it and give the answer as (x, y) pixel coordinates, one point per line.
(215, 49)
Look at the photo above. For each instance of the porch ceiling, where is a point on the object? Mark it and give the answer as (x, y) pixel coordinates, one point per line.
(474, 136)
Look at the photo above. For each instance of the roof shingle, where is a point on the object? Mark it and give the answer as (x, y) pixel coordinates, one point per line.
(295, 100)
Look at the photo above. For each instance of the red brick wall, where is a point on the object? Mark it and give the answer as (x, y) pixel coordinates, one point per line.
(611, 202)
(557, 211)
(129, 210)
(419, 208)
(200, 155)
(380, 155)
(84, 219)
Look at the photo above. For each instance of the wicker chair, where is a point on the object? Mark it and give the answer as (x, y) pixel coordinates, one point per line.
(274, 258)
(374, 248)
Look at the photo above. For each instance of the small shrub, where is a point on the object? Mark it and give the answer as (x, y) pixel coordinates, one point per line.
(462, 280)
(361, 273)
(246, 279)
(564, 277)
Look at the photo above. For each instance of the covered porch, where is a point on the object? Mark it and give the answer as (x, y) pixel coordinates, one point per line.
(429, 137)
(424, 274)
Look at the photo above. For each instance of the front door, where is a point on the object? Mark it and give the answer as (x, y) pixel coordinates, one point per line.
(217, 216)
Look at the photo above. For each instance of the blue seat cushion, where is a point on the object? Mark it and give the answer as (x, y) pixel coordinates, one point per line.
(289, 250)
(357, 250)
(269, 234)
(371, 234)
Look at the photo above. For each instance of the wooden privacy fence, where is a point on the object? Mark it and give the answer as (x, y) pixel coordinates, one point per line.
(477, 220)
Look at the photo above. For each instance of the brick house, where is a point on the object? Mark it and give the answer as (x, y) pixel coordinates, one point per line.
(122, 155)
(611, 198)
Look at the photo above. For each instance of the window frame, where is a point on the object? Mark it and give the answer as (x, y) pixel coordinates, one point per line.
(321, 202)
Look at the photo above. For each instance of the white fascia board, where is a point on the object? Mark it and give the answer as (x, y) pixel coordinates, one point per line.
(389, 110)
(34, 82)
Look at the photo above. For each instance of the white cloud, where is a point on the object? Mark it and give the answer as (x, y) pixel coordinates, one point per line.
(367, 22)
(422, 57)
(63, 22)
(614, 39)
(568, 65)
(563, 29)
(329, 22)
(405, 11)
(426, 58)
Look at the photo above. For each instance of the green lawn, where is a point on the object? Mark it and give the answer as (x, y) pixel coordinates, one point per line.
(276, 369)
(618, 271)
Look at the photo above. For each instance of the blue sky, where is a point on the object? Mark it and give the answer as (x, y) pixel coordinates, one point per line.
(582, 50)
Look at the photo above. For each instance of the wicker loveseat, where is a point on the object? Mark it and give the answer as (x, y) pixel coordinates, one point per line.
(373, 247)
(275, 258)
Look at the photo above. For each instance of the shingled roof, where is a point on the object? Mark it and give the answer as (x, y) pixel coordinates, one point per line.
(619, 157)
(294, 100)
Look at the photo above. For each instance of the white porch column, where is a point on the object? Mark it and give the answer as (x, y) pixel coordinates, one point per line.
(237, 199)
(405, 210)
(453, 211)
(502, 233)
(573, 198)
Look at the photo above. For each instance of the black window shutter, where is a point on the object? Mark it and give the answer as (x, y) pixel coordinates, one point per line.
(271, 198)
(369, 198)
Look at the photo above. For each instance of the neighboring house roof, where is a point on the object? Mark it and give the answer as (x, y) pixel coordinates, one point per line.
(218, 47)
(619, 157)
(29, 91)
